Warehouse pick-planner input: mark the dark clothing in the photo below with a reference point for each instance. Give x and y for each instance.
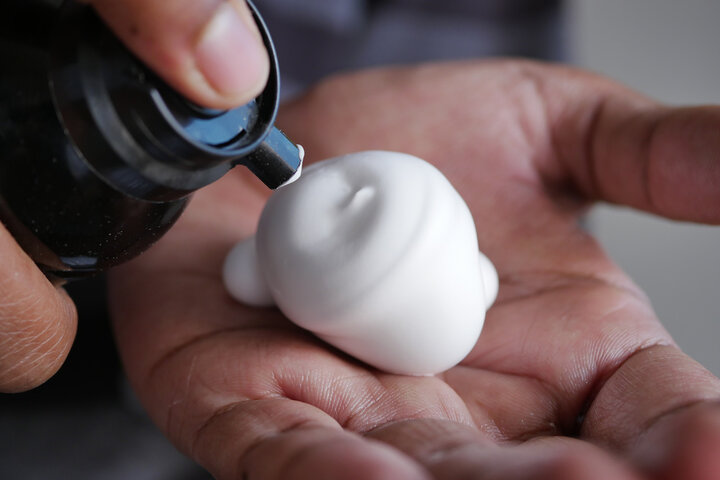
(315, 38)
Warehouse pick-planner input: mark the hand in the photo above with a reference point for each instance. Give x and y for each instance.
(573, 376)
(37, 320)
(209, 50)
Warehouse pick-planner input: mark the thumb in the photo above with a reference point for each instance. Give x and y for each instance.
(210, 51)
(37, 321)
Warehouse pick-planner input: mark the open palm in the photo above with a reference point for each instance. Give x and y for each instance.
(573, 376)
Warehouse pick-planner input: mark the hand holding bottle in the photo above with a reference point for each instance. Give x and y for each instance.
(211, 52)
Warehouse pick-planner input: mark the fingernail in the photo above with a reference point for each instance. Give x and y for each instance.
(231, 56)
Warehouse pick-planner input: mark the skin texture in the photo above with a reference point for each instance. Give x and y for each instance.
(37, 321)
(573, 377)
(211, 51)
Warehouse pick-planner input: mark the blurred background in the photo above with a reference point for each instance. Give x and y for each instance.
(669, 50)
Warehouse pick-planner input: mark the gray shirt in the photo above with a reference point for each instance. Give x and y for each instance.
(317, 37)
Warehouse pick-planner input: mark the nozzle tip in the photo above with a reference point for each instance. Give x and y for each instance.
(296, 175)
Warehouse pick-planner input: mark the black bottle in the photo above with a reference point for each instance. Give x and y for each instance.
(98, 157)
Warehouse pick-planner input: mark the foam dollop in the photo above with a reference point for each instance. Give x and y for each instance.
(376, 253)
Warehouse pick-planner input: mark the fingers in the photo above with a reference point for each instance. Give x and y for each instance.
(624, 148)
(284, 439)
(660, 408)
(451, 451)
(683, 444)
(589, 327)
(521, 123)
(210, 51)
(37, 321)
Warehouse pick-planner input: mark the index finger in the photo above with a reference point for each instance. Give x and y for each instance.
(622, 147)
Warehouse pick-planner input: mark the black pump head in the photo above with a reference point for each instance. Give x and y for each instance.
(141, 136)
(98, 156)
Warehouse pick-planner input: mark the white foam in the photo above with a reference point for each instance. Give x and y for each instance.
(376, 253)
(298, 172)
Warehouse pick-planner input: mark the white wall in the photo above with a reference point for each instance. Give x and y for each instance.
(669, 49)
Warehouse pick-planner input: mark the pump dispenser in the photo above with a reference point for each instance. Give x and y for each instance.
(98, 156)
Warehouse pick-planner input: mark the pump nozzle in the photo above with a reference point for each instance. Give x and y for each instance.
(277, 160)
(148, 140)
